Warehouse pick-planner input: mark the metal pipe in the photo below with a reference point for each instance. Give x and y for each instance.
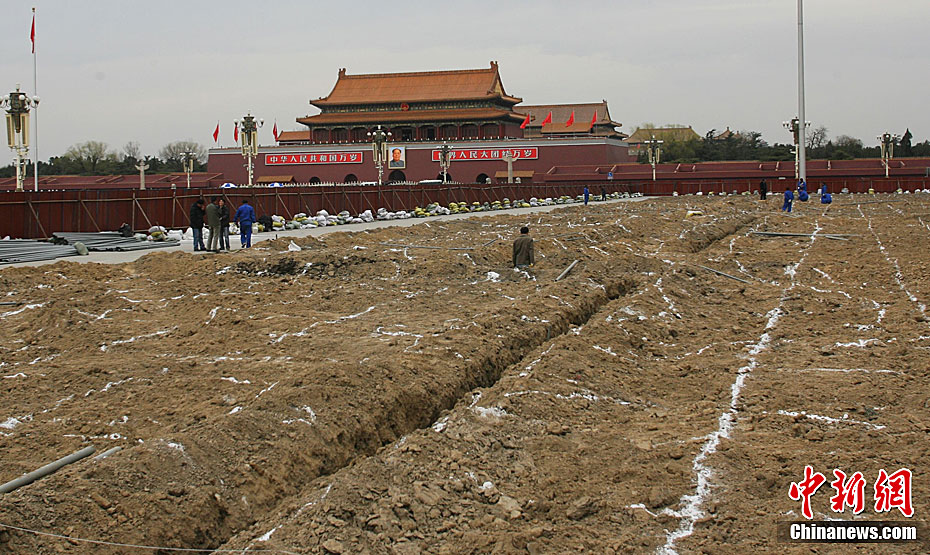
(107, 453)
(722, 274)
(46, 470)
(566, 271)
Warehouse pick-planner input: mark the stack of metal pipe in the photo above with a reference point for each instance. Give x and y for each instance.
(26, 250)
(110, 241)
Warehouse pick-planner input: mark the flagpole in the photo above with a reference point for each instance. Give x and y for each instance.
(802, 122)
(35, 109)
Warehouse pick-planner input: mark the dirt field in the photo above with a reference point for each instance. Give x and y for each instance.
(355, 397)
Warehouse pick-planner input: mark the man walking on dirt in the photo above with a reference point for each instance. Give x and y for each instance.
(197, 225)
(523, 255)
(763, 190)
(213, 223)
(789, 199)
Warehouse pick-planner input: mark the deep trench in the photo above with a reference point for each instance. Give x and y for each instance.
(484, 373)
(211, 520)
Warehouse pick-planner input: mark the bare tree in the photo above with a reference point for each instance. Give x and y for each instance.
(845, 141)
(817, 138)
(90, 155)
(172, 153)
(131, 150)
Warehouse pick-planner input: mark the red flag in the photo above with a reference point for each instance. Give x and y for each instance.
(275, 130)
(236, 134)
(216, 133)
(32, 33)
(594, 119)
(548, 118)
(571, 119)
(525, 122)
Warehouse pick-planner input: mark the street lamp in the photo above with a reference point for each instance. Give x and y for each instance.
(888, 141)
(654, 147)
(142, 166)
(187, 160)
(794, 126)
(379, 141)
(445, 160)
(17, 106)
(248, 138)
(508, 157)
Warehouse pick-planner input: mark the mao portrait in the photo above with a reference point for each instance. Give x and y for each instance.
(398, 158)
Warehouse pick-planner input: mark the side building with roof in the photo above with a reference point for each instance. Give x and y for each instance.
(469, 110)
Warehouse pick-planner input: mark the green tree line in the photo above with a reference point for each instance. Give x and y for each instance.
(97, 158)
(749, 145)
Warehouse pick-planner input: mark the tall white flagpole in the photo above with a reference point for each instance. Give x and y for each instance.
(35, 109)
(802, 123)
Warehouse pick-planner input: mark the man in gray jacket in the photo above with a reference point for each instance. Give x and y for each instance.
(523, 255)
(213, 224)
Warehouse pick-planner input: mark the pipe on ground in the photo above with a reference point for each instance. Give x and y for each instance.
(46, 470)
(567, 270)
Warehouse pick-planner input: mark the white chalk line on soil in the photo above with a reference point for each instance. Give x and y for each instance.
(844, 420)
(898, 276)
(691, 511)
(23, 309)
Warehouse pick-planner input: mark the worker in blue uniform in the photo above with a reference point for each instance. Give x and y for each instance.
(245, 217)
(789, 198)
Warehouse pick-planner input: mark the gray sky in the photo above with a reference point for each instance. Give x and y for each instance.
(154, 72)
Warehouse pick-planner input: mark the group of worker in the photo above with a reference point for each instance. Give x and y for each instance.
(216, 217)
(803, 196)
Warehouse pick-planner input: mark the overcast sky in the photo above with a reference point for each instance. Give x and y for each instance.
(154, 72)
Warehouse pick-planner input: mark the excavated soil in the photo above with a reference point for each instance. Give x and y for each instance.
(361, 396)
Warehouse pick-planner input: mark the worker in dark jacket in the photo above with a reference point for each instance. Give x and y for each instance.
(213, 224)
(523, 255)
(197, 215)
(245, 217)
(224, 224)
(763, 190)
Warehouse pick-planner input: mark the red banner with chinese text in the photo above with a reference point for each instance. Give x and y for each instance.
(490, 153)
(322, 158)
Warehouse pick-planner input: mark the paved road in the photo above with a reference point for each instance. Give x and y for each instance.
(188, 245)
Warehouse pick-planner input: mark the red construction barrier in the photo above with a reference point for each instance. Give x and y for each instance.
(30, 215)
(37, 215)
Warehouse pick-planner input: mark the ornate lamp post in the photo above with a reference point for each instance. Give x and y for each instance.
(508, 157)
(142, 166)
(379, 141)
(248, 138)
(888, 141)
(445, 160)
(794, 126)
(188, 163)
(654, 147)
(17, 106)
